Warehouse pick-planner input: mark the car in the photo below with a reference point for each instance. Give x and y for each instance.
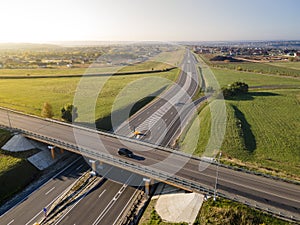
(125, 152)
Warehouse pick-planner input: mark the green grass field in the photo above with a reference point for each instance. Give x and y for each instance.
(28, 95)
(262, 131)
(282, 68)
(263, 126)
(226, 77)
(226, 212)
(145, 66)
(292, 65)
(15, 171)
(220, 212)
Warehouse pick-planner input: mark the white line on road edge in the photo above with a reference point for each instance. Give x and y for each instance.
(11, 222)
(27, 196)
(79, 167)
(49, 191)
(69, 187)
(63, 216)
(102, 193)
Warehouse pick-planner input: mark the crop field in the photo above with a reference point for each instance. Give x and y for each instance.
(292, 65)
(28, 95)
(262, 131)
(171, 58)
(283, 68)
(260, 68)
(145, 66)
(226, 77)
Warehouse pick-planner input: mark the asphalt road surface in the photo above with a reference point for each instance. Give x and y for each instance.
(30, 210)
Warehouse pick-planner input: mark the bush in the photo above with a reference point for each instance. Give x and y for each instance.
(69, 113)
(47, 110)
(235, 89)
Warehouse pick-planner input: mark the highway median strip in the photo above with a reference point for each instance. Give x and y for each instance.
(76, 192)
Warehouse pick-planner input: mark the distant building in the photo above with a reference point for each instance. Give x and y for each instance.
(291, 54)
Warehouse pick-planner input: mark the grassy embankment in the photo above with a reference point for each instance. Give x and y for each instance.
(15, 171)
(220, 212)
(262, 130)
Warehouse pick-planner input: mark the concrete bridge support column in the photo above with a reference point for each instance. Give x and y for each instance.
(93, 164)
(148, 183)
(52, 150)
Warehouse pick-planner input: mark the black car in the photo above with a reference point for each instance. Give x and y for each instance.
(125, 152)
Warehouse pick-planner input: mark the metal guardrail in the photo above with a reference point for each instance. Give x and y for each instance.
(148, 144)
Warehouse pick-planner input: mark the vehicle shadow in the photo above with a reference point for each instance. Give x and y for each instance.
(138, 158)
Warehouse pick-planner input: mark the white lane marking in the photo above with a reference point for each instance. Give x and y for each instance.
(11, 222)
(41, 186)
(78, 167)
(112, 202)
(69, 187)
(49, 191)
(63, 216)
(102, 193)
(117, 219)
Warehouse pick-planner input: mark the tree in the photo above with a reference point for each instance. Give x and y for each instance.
(47, 110)
(69, 113)
(235, 89)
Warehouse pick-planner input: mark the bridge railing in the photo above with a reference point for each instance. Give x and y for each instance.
(150, 172)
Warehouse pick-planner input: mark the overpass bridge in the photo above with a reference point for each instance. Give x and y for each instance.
(162, 164)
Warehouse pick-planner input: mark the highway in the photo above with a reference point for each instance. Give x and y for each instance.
(89, 207)
(104, 204)
(276, 195)
(270, 194)
(30, 209)
(161, 121)
(107, 208)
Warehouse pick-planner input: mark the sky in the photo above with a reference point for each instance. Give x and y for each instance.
(45, 21)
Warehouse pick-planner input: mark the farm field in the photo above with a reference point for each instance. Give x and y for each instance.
(292, 65)
(262, 131)
(283, 69)
(28, 95)
(226, 77)
(146, 66)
